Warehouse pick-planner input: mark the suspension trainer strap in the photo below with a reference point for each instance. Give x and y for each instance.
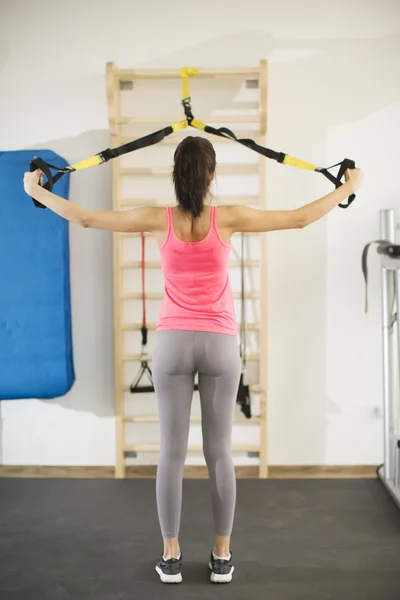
(144, 323)
(337, 181)
(243, 307)
(243, 393)
(145, 369)
(38, 163)
(280, 157)
(190, 120)
(185, 73)
(135, 388)
(102, 157)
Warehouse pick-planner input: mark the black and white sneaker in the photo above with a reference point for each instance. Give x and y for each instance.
(170, 570)
(221, 569)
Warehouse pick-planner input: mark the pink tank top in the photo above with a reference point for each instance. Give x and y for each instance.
(198, 294)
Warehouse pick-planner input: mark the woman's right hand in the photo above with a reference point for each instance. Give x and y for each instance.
(354, 178)
(31, 179)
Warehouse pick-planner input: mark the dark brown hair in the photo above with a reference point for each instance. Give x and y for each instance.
(194, 166)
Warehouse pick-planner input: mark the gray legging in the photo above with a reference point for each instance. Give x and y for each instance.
(178, 355)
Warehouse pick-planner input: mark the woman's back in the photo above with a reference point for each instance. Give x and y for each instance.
(195, 266)
(188, 230)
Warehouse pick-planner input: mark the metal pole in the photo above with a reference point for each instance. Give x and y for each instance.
(394, 416)
(388, 225)
(386, 371)
(387, 232)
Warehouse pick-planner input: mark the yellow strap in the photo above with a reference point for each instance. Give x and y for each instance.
(198, 124)
(187, 72)
(90, 162)
(300, 164)
(178, 126)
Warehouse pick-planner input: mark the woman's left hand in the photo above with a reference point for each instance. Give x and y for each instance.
(32, 179)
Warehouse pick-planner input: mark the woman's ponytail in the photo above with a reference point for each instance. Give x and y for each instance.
(194, 167)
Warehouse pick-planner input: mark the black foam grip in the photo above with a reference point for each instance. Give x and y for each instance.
(141, 389)
(38, 163)
(346, 164)
(144, 331)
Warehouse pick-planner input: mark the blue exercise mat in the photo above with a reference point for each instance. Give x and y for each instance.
(36, 359)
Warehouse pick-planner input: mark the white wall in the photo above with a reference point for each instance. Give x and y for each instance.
(333, 92)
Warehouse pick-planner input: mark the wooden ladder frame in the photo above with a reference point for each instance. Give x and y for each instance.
(113, 78)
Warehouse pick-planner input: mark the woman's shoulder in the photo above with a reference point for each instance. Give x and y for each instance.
(158, 216)
(227, 214)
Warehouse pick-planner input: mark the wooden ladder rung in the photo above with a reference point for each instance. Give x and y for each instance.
(133, 234)
(239, 169)
(152, 327)
(174, 140)
(138, 357)
(157, 265)
(138, 326)
(193, 419)
(167, 120)
(222, 200)
(255, 388)
(194, 448)
(131, 74)
(160, 295)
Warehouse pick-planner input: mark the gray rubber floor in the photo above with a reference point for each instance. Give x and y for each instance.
(293, 539)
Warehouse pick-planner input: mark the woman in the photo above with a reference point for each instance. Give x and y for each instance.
(196, 331)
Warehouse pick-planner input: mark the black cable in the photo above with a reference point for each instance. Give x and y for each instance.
(243, 309)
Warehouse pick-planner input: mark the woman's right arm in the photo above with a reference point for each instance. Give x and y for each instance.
(244, 218)
(141, 219)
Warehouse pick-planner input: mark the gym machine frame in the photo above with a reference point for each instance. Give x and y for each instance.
(390, 282)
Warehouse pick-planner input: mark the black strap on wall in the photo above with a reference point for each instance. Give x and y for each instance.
(384, 247)
(281, 156)
(243, 306)
(251, 144)
(156, 137)
(143, 142)
(39, 163)
(135, 388)
(338, 180)
(243, 393)
(144, 364)
(101, 157)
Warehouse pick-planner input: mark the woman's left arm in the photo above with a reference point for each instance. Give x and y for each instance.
(136, 220)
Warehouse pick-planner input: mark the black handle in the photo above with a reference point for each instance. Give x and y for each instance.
(38, 163)
(144, 331)
(346, 164)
